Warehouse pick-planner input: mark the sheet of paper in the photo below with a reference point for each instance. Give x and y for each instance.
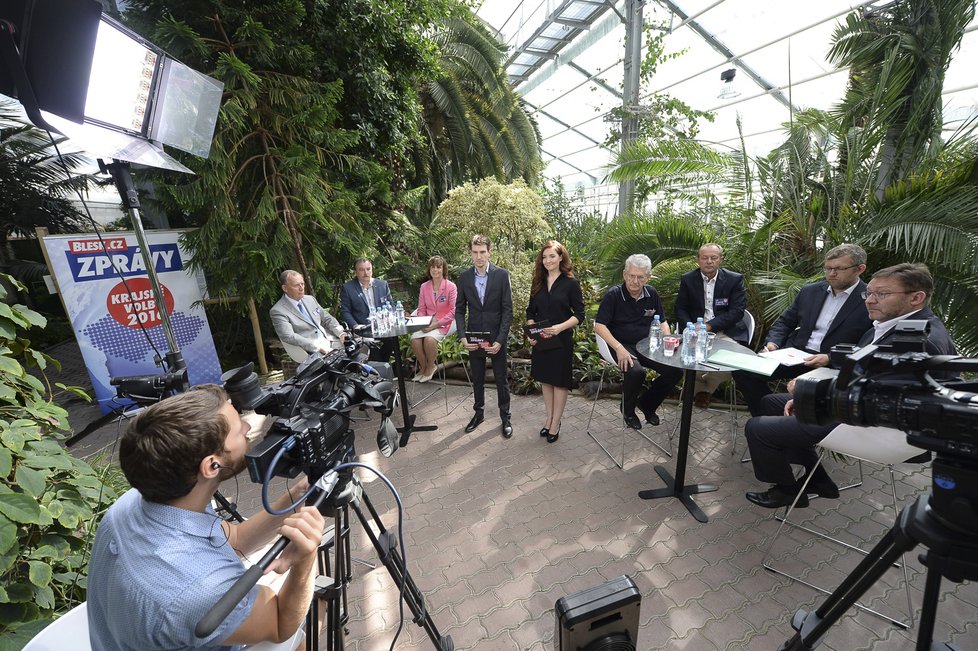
(787, 356)
(744, 362)
(418, 321)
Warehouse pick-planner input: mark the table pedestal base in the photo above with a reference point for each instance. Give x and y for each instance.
(684, 494)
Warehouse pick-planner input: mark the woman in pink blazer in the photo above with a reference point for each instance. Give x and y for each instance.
(437, 299)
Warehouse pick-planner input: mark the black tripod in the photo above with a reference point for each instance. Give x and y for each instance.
(333, 587)
(951, 553)
(335, 499)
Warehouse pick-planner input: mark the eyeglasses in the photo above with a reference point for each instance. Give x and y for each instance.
(882, 295)
(835, 270)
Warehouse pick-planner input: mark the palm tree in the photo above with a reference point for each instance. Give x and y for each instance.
(874, 171)
(474, 124)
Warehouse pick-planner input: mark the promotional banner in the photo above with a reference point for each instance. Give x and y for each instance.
(115, 321)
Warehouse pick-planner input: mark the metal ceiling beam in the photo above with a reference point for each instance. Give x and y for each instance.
(593, 178)
(566, 126)
(728, 54)
(575, 47)
(593, 77)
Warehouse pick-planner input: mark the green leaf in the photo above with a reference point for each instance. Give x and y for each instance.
(44, 596)
(20, 508)
(30, 480)
(6, 461)
(19, 592)
(54, 548)
(8, 329)
(8, 534)
(39, 573)
(7, 365)
(30, 315)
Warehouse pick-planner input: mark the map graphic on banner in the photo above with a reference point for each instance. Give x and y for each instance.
(106, 315)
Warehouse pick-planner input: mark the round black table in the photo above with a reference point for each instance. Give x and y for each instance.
(676, 487)
(393, 333)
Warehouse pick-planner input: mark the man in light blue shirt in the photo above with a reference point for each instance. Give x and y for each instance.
(162, 557)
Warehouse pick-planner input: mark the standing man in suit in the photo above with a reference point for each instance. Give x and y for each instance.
(300, 323)
(824, 314)
(359, 296)
(720, 298)
(485, 294)
(894, 294)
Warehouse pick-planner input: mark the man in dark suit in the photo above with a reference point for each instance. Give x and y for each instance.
(719, 297)
(894, 294)
(824, 314)
(359, 296)
(486, 296)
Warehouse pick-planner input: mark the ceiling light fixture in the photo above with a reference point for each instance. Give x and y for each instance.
(727, 88)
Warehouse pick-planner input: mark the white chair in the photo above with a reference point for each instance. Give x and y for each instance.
(442, 383)
(70, 631)
(607, 363)
(878, 445)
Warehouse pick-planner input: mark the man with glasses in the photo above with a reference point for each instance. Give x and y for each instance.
(719, 297)
(624, 317)
(824, 314)
(894, 294)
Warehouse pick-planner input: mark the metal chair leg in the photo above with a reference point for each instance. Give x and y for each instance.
(785, 521)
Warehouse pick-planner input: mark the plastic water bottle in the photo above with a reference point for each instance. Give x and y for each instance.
(655, 334)
(702, 341)
(372, 321)
(399, 313)
(687, 350)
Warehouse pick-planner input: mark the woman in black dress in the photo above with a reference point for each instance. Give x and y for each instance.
(556, 303)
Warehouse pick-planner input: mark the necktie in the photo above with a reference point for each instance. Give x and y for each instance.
(305, 313)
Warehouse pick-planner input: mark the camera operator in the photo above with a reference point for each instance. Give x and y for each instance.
(162, 557)
(894, 294)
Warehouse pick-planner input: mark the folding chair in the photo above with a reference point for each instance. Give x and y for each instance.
(607, 363)
(878, 445)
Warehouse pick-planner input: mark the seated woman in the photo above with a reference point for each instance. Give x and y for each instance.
(437, 299)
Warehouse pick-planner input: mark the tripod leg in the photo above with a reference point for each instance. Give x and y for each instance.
(387, 549)
(812, 626)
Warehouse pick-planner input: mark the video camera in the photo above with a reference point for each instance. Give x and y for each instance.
(311, 432)
(901, 386)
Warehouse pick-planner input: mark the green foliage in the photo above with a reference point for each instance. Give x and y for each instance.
(873, 171)
(511, 215)
(49, 501)
(474, 125)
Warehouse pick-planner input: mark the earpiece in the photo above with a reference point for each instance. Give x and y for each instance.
(216, 465)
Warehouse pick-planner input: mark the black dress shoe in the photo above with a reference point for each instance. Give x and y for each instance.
(776, 497)
(552, 438)
(544, 431)
(507, 429)
(650, 417)
(826, 489)
(631, 420)
(477, 418)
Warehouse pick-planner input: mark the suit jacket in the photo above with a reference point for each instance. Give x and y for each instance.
(299, 335)
(729, 303)
(938, 339)
(495, 314)
(794, 327)
(442, 306)
(353, 305)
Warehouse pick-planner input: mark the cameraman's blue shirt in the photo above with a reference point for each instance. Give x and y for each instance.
(155, 571)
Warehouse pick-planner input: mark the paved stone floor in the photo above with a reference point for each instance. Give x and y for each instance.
(497, 530)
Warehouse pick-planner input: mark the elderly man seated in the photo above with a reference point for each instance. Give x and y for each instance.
(776, 442)
(624, 318)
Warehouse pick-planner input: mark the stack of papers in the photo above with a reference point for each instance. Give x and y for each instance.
(787, 356)
(744, 362)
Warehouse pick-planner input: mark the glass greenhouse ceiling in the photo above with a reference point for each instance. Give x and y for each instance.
(566, 60)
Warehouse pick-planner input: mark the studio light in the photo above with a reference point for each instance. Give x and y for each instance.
(728, 90)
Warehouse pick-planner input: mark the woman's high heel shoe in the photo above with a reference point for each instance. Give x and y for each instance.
(551, 438)
(544, 431)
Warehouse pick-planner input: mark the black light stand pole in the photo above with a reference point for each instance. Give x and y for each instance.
(121, 174)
